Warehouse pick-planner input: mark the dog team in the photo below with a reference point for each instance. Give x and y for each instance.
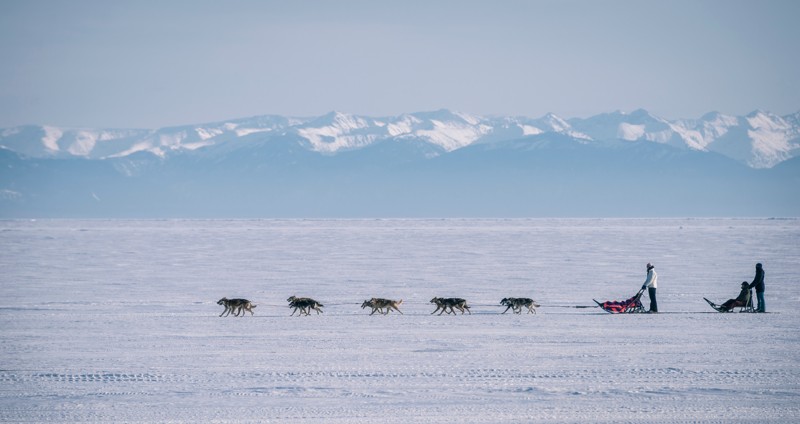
(304, 305)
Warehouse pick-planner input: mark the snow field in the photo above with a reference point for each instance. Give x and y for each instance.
(116, 321)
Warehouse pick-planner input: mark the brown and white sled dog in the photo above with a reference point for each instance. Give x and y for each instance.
(451, 303)
(378, 305)
(516, 304)
(304, 305)
(236, 306)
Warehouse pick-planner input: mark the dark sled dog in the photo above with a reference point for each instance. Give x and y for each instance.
(451, 303)
(378, 305)
(236, 306)
(304, 305)
(516, 304)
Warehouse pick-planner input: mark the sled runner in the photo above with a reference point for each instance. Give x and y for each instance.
(630, 306)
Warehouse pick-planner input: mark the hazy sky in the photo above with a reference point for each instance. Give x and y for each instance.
(149, 64)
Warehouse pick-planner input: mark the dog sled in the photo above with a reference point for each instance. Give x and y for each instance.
(630, 306)
(747, 306)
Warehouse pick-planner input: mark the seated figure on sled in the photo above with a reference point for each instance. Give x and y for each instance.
(744, 300)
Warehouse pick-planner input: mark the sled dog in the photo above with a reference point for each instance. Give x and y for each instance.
(516, 304)
(304, 305)
(236, 306)
(451, 303)
(378, 305)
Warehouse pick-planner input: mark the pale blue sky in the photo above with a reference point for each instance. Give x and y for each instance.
(148, 64)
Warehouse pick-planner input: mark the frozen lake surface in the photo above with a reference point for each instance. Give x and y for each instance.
(117, 321)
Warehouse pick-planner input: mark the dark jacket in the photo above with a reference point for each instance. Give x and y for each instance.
(758, 281)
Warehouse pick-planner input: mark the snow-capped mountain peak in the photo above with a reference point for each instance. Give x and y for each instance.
(555, 123)
(766, 121)
(338, 131)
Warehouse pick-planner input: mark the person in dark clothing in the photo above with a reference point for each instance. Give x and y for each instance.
(758, 284)
(740, 300)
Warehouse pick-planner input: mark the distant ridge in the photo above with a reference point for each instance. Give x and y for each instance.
(426, 164)
(758, 140)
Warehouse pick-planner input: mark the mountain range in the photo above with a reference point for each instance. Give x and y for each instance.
(759, 140)
(439, 163)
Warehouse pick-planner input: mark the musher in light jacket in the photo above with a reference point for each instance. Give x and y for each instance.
(651, 283)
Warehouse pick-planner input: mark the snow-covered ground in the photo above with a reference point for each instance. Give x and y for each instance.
(117, 321)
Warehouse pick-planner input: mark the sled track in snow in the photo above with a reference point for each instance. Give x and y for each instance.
(512, 393)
